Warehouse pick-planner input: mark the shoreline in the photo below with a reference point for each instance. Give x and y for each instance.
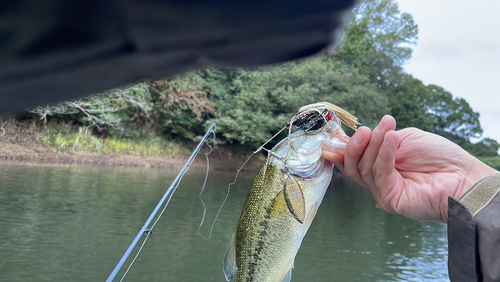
(26, 144)
(221, 158)
(31, 143)
(63, 144)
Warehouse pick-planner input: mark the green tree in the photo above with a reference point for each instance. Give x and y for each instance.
(389, 30)
(487, 147)
(407, 103)
(252, 105)
(363, 75)
(434, 109)
(357, 46)
(377, 40)
(180, 106)
(453, 118)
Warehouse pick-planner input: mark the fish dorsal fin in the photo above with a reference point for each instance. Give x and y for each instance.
(229, 266)
(294, 199)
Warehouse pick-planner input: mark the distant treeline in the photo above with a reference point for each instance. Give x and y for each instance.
(362, 74)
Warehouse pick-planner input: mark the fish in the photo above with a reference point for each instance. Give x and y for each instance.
(285, 196)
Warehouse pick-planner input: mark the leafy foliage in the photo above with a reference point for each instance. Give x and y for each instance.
(175, 108)
(363, 75)
(389, 31)
(377, 40)
(254, 104)
(487, 147)
(407, 103)
(453, 118)
(180, 106)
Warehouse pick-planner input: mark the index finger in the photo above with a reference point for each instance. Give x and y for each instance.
(354, 152)
(385, 175)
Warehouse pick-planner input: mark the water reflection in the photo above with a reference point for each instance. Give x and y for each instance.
(73, 224)
(351, 240)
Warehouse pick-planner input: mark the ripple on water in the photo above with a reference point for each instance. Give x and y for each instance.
(74, 223)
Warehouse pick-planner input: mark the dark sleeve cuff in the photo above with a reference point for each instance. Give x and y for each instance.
(474, 233)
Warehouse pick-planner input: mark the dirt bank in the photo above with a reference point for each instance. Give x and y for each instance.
(20, 143)
(220, 158)
(24, 143)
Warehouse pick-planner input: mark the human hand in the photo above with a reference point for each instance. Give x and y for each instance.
(410, 171)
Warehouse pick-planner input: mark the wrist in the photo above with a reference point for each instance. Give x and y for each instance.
(477, 172)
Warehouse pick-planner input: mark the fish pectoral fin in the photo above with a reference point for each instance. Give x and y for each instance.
(294, 198)
(278, 206)
(229, 266)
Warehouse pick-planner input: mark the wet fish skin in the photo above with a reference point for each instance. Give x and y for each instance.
(281, 205)
(270, 235)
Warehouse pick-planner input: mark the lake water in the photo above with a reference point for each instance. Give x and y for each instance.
(75, 223)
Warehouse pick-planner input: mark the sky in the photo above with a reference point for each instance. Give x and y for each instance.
(458, 48)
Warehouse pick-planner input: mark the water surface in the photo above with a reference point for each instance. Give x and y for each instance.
(74, 224)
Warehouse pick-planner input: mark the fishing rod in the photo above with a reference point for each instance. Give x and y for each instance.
(170, 191)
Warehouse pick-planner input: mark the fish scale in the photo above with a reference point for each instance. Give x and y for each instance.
(264, 248)
(282, 203)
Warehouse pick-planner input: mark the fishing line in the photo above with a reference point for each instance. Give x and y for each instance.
(147, 232)
(167, 196)
(215, 219)
(253, 153)
(201, 199)
(228, 187)
(132, 262)
(262, 146)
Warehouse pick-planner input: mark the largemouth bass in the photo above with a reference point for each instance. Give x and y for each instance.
(285, 196)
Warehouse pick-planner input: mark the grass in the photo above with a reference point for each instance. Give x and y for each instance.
(64, 138)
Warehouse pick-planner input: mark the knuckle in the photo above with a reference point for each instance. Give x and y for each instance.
(364, 170)
(383, 203)
(376, 171)
(348, 173)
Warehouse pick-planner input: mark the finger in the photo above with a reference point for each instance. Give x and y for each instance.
(385, 174)
(340, 167)
(365, 165)
(335, 158)
(332, 157)
(354, 152)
